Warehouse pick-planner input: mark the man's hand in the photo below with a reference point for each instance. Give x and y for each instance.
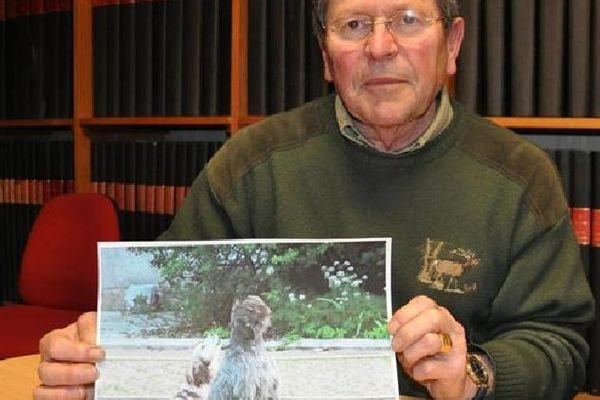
(67, 369)
(417, 338)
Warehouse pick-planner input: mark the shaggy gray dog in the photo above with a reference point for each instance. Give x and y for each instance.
(247, 372)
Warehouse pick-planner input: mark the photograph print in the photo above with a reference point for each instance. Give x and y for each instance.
(246, 319)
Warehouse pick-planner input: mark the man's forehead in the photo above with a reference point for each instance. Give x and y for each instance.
(337, 6)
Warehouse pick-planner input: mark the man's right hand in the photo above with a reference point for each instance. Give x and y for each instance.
(68, 355)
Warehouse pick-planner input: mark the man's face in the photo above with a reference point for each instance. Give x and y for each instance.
(384, 79)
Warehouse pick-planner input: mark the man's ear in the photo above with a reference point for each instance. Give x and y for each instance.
(455, 35)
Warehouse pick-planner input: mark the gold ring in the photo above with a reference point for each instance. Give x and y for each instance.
(446, 343)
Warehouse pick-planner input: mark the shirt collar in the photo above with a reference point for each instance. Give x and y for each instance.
(442, 119)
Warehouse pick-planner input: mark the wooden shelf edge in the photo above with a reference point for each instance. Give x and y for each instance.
(217, 120)
(547, 123)
(251, 119)
(225, 120)
(36, 123)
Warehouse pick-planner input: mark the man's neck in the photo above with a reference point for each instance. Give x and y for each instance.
(390, 139)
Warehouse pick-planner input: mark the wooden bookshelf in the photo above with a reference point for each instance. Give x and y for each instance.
(36, 123)
(548, 123)
(83, 121)
(219, 120)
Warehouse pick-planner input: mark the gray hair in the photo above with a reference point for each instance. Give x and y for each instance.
(448, 8)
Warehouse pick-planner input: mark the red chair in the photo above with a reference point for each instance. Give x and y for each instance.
(58, 278)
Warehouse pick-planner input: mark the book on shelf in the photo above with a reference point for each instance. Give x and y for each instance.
(468, 71)
(100, 58)
(211, 53)
(37, 63)
(578, 34)
(493, 69)
(216, 55)
(595, 52)
(143, 57)
(522, 57)
(174, 57)
(193, 92)
(550, 57)
(126, 56)
(159, 56)
(295, 53)
(258, 41)
(276, 56)
(17, 85)
(113, 69)
(65, 65)
(2, 57)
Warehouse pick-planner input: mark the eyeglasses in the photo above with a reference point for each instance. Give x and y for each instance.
(405, 24)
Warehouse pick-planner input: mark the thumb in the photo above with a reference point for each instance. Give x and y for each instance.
(86, 327)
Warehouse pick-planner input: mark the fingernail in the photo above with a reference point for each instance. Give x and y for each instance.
(76, 392)
(91, 373)
(96, 353)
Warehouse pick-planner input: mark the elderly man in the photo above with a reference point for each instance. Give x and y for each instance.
(487, 281)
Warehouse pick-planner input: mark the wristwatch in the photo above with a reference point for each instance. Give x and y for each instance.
(479, 371)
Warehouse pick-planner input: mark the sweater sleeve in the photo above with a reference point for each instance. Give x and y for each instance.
(539, 317)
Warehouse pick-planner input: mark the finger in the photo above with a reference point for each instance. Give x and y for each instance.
(86, 327)
(47, 341)
(409, 311)
(427, 322)
(62, 347)
(428, 346)
(61, 374)
(436, 368)
(66, 393)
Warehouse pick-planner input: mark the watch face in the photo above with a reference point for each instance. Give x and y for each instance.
(476, 370)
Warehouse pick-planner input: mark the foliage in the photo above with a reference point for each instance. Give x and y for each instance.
(311, 292)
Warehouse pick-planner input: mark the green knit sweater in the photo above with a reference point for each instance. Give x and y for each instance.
(477, 218)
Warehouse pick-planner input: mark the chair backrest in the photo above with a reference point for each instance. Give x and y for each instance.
(59, 265)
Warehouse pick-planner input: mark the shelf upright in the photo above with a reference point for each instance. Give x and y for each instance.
(82, 92)
(239, 64)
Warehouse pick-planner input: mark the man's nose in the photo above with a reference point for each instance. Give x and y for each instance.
(381, 43)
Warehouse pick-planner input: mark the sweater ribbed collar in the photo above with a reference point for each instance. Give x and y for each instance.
(443, 117)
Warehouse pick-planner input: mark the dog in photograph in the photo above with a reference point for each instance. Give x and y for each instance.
(247, 371)
(201, 370)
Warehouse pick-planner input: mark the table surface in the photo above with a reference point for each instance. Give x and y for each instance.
(18, 378)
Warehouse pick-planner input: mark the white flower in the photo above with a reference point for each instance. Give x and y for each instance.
(340, 273)
(292, 297)
(365, 277)
(350, 268)
(331, 269)
(302, 297)
(356, 283)
(346, 263)
(270, 270)
(336, 263)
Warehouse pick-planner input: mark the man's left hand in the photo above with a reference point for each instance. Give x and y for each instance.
(418, 329)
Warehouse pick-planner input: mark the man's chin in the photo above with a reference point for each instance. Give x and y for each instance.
(380, 115)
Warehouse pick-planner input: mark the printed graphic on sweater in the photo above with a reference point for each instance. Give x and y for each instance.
(444, 265)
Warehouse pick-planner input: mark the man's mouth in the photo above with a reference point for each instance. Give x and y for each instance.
(383, 81)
